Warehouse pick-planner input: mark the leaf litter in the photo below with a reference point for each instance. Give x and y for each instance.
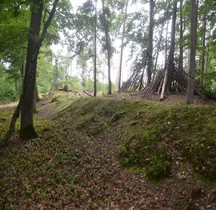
(70, 167)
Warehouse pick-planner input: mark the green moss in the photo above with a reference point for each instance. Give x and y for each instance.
(97, 130)
(117, 116)
(85, 122)
(201, 154)
(195, 127)
(142, 151)
(147, 135)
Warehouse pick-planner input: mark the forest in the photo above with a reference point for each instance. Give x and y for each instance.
(107, 104)
(119, 45)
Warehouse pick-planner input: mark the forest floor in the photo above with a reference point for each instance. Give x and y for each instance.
(76, 162)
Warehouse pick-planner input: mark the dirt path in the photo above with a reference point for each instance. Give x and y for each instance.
(8, 106)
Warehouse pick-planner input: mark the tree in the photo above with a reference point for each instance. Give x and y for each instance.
(95, 51)
(106, 27)
(181, 37)
(122, 46)
(147, 58)
(26, 127)
(26, 102)
(150, 42)
(169, 66)
(192, 64)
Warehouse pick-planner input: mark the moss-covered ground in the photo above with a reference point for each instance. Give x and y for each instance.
(109, 153)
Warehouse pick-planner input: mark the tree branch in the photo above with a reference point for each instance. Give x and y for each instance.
(46, 25)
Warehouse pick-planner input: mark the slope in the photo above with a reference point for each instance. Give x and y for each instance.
(112, 153)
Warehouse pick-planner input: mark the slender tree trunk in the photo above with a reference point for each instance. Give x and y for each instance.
(27, 128)
(169, 66)
(147, 58)
(193, 29)
(11, 129)
(95, 52)
(166, 42)
(122, 47)
(141, 79)
(108, 46)
(150, 42)
(208, 44)
(202, 66)
(173, 32)
(158, 50)
(109, 73)
(207, 55)
(181, 38)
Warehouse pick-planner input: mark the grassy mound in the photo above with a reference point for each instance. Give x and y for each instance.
(150, 131)
(71, 164)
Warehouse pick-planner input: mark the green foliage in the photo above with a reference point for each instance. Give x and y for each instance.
(10, 88)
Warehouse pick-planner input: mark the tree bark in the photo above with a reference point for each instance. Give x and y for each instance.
(35, 41)
(11, 129)
(27, 130)
(95, 52)
(192, 64)
(150, 42)
(122, 48)
(169, 66)
(202, 66)
(108, 46)
(181, 38)
(158, 51)
(166, 42)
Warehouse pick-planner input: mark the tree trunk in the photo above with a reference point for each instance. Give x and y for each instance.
(11, 129)
(158, 51)
(202, 66)
(181, 38)
(122, 48)
(27, 130)
(95, 52)
(193, 29)
(150, 42)
(35, 41)
(166, 42)
(169, 66)
(173, 32)
(108, 46)
(207, 54)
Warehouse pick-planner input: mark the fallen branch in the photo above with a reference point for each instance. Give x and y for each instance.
(87, 93)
